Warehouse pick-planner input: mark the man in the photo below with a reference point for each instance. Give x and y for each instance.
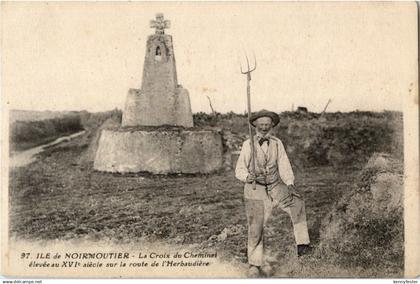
(274, 187)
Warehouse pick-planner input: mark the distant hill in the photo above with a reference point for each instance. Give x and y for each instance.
(29, 115)
(32, 128)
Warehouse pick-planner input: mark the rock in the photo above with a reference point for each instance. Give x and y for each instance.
(379, 161)
(387, 191)
(223, 235)
(197, 208)
(235, 230)
(213, 238)
(185, 210)
(230, 231)
(179, 239)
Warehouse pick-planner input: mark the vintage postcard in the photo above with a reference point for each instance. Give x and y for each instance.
(210, 139)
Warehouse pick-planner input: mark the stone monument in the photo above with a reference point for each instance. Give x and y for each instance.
(156, 133)
(159, 89)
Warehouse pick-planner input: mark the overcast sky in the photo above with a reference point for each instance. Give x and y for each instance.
(74, 56)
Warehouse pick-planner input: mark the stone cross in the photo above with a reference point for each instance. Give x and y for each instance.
(160, 24)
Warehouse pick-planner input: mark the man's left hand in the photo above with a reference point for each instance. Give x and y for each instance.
(260, 178)
(293, 190)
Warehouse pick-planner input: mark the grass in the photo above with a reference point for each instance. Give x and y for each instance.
(60, 196)
(49, 202)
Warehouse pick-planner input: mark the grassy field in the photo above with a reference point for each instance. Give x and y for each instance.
(60, 196)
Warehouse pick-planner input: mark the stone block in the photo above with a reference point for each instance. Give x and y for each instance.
(159, 151)
(182, 108)
(171, 108)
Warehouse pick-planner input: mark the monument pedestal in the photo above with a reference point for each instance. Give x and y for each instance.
(152, 137)
(159, 151)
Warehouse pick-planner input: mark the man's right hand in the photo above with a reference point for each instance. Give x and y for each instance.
(250, 178)
(293, 191)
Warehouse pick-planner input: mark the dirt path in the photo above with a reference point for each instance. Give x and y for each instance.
(60, 197)
(23, 158)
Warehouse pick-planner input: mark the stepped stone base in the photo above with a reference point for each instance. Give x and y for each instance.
(164, 108)
(159, 152)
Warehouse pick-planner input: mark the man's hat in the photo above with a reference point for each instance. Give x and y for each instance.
(265, 113)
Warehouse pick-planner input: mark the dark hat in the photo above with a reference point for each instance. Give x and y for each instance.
(264, 113)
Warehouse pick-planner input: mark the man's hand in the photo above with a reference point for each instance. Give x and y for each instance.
(250, 178)
(293, 190)
(261, 179)
(254, 177)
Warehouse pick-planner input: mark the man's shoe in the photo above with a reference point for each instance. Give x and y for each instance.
(303, 249)
(253, 271)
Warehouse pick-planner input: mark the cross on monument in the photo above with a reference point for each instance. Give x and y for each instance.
(160, 24)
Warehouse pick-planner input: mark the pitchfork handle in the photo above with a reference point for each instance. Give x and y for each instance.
(251, 136)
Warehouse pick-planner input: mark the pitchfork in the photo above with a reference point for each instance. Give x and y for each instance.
(248, 96)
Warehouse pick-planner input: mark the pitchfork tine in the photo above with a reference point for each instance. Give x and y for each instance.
(240, 63)
(249, 70)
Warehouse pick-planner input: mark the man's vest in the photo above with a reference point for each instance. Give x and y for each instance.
(266, 163)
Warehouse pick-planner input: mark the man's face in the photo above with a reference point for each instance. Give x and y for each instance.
(263, 125)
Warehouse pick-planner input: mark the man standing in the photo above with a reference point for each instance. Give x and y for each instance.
(274, 187)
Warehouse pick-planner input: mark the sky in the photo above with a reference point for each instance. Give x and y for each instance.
(85, 56)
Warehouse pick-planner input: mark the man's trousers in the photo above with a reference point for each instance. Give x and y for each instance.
(259, 204)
